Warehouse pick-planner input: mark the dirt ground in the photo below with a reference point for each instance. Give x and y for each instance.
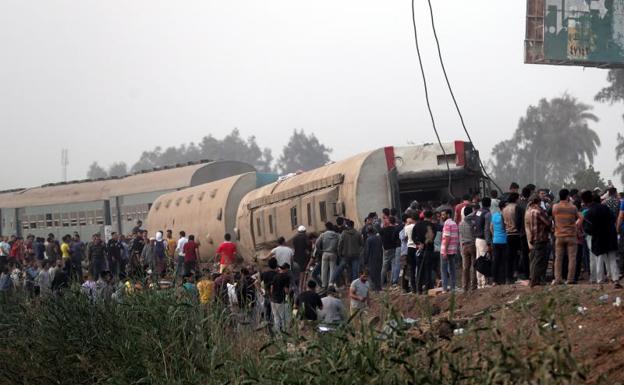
(594, 327)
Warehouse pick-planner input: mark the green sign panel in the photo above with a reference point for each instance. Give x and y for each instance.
(575, 32)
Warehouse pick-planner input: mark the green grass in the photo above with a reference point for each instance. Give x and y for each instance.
(154, 338)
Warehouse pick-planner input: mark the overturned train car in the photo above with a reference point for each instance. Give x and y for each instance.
(351, 188)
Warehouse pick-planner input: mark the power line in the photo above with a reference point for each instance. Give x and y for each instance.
(424, 78)
(448, 83)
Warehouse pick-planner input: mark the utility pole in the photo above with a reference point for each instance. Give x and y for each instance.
(64, 162)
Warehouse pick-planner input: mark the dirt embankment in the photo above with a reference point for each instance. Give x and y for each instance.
(585, 315)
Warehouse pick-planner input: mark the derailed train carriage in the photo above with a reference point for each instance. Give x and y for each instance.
(351, 188)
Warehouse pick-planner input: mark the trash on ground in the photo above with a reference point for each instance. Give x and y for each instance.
(549, 325)
(513, 300)
(581, 310)
(617, 302)
(603, 298)
(458, 332)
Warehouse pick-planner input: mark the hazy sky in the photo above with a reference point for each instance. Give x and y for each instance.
(107, 78)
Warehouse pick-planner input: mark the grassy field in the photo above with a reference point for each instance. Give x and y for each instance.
(154, 338)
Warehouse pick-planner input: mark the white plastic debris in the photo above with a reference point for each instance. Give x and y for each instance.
(513, 300)
(549, 325)
(458, 332)
(618, 302)
(603, 298)
(580, 326)
(581, 310)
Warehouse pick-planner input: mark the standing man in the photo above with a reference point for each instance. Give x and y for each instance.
(390, 242)
(226, 253)
(359, 293)
(303, 248)
(171, 250)
(469, 251)
(449, 249)
(97, 256)
(600, 224)
(537, 227)
(282, 253)
(373, 257)
(191, 255)
(280, 302)
(77, 256)
(483, 235)
(180, 251)
(566, 218)
(424, 234)
(513, 218)
(328, 244)
(114, 249)
(349, 251)
(412, 250)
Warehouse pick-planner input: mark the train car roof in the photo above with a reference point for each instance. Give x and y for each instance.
(159, 179)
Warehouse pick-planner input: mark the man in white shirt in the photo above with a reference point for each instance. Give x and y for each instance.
(411, 251)
(180, 252)
(282, 253)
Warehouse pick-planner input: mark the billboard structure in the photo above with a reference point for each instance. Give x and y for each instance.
(587, 33)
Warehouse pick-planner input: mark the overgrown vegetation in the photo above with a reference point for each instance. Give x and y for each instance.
(153, 338)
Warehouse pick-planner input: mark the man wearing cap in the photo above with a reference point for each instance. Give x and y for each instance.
(280, 303)
(303, 248)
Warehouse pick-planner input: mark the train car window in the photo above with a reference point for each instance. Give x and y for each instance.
(25, 225)
(83, 218)
(73, 219)
(309, 214)
(48, 218)
(33, 225)
(41, 221)
(258, 232)
(271, 224)
(323, 211)
(293, 217)
(65, 219)
(57, 220)
(99, 217)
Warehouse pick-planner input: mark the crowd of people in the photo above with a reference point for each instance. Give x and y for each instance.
(457, 245)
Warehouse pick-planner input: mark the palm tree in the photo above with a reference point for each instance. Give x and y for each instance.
(552, 142)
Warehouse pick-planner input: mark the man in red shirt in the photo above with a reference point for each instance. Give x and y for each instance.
(459, 208)
(227, 253)
(191, 255)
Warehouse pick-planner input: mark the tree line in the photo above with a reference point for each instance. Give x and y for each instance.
(554, 145)
(302, 152)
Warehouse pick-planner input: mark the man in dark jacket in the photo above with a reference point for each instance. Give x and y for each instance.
(114, 249)
(302, 248)
(349, 251)
(423, 234)
(373, 257)
(390, 241)
(599, 223)
(483, 235)
(97, 256)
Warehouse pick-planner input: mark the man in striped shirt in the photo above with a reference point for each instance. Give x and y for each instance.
(449, 250)
(537, 227)
(566, 217)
